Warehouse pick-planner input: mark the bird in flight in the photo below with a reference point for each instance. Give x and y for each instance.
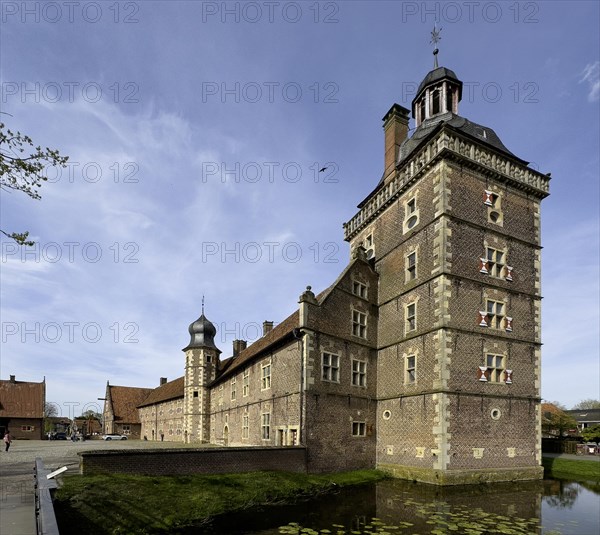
(323, 169)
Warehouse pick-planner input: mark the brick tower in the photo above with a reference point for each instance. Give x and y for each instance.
(453, 230)
(201, 361)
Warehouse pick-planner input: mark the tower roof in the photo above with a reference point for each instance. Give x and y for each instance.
(435, 76)
(202, 333)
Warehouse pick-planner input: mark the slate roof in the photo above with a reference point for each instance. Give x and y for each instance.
(22, 399)
(125, 400)
(168, 391)
(585, 415)
(433, 76)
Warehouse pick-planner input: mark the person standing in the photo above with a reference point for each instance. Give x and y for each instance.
(7, 440)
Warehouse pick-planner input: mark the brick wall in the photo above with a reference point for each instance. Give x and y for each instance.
(193, 461)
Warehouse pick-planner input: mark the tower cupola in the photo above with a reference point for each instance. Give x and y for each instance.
(202, 334)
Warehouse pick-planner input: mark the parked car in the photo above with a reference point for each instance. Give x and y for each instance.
(591, 447)
(114, 436)
(60, 436)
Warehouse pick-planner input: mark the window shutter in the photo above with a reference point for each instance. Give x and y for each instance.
(508, 275)
(508, 324)
(483, 319)
(508, 377)
(483, 266)
(487, 198)
(482, 374)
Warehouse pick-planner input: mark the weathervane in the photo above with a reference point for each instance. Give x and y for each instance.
(435, 39)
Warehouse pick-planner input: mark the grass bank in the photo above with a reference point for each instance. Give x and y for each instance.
(570, 469)
(117, 504)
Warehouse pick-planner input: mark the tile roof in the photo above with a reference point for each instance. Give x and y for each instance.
(279, 333)
(171, 390)
(125, 400)
(22, 399)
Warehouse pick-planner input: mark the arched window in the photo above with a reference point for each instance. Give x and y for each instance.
(436, 101)
(449, 100)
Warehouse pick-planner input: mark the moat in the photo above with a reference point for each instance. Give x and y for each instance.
(549, 507)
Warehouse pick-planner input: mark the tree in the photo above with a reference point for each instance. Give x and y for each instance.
(587, 404)
(21, 169)
(50, 411)
(591, 434)
(555, 421)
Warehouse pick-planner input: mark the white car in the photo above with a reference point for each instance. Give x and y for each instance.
(114, 436)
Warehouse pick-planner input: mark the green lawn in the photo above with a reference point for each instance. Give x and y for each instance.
(571, 469)
(119, 504)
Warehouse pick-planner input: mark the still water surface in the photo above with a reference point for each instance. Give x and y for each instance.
(395, 507)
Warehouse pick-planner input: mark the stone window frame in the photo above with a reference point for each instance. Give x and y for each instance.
(330, 370)
(359, 429)
(411, 210)
(265, 426)
(359, 375)
(246, 383)
(233, 384)
(359, 289)
(492, 265)
(495, 373)
(410, 317)
(494, 317)
(265, 377)
(410, 270)
(359, 327)
(493, 202)
(245, 426)
(410, 365)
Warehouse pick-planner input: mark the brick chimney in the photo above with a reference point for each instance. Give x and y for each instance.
(12, 378)
(239, 346)
(267, 327)
(395, 127)
(163, 381)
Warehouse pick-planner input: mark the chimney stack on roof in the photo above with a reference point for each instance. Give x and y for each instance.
(239, 346)
(12, 378)
(163, 381)
(267, 327)
(395, 127)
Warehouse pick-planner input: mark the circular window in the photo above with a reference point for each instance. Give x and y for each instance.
(412, 221)
(387, 415)
(495, 414)
(494, 216)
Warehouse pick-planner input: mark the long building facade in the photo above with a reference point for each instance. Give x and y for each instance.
(423, 357)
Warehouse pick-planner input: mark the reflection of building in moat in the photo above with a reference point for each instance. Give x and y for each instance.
(518, 504)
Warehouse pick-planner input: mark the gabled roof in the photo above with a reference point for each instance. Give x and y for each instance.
(125, 400)
(22, 399)
(168, 391)
(585, 415)
(277, 335)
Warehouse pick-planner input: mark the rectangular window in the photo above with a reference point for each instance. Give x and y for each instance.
(359, 429)
(495, 368)
(195, 393)
(331, 368)
(266, 426)
(359, 324)
(411, 317)
(265, 377)
(245, 426)
(359, 373)
(495, 262)
(246, 383)
(369, 241)
(411, 266)
(233, 393)
(359, 289)
(495, 314)
(410, 375)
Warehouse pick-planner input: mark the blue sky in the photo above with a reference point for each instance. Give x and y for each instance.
(194, 131)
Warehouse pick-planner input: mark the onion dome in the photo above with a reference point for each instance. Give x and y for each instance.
(202, 333)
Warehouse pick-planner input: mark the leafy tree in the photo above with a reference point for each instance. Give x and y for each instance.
(21, 169)
(587, 404)
(591, 434)
(555, 421)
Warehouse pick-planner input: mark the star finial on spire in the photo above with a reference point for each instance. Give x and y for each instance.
(435, 39)
(203, 304)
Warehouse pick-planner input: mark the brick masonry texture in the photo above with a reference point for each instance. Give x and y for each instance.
(192, 461)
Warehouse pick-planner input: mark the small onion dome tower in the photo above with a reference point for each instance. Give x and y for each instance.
(201, 367)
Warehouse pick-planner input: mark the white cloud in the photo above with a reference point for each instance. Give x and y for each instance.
(591, 75)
